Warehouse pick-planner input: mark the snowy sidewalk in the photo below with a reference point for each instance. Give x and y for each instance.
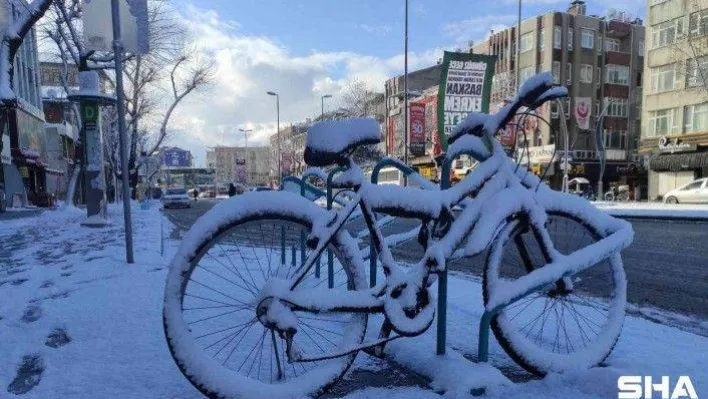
(77, 322)
(654, 210)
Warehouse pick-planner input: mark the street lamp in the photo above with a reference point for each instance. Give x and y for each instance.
(277, 110)
(323, 98)
(245, 134)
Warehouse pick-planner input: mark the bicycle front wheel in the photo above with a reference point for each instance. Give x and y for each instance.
(572, 323)
(214, 286)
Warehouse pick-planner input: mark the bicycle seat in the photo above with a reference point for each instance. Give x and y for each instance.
(329, 142)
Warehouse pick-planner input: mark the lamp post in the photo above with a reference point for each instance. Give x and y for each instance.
(405, 95)
(323, 98)
(245, 136)
(277, 110)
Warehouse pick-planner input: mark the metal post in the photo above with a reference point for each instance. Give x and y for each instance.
(118, 58)
(282, 245)
(405, 95)
(277, 110)
(564, 161)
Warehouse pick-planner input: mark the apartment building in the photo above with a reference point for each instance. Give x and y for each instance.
(600, 60)
(292, 139)
(231, 164)
(674, 139)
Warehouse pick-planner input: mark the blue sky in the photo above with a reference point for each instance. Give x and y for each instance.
(306, 48)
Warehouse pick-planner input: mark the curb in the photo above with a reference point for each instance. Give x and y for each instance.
(695, 219)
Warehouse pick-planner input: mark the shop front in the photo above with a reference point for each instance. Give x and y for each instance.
(676, 162)
(29, 154)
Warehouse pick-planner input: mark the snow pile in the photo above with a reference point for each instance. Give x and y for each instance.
(653, 209)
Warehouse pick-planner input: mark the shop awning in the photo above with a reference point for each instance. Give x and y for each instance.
(676, 162)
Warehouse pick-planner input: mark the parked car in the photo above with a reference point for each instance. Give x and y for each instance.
(261, 188)
(176, 198)
(695, 192)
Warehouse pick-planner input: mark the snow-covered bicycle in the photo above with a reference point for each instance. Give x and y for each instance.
(251, 311)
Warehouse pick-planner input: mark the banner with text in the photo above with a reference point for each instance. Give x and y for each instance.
(240, 171)
(465, 85)
(416, 138)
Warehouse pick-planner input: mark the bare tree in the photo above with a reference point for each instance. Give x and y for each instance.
(12, 39)
(171, 66)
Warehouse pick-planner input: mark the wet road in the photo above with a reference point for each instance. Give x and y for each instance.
(666, 266)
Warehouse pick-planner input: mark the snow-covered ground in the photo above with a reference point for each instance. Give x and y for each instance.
(654, 209)
(85, 324)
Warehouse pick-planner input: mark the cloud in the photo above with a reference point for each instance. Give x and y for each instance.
(250, 65)
(477, 28)
(380, 30)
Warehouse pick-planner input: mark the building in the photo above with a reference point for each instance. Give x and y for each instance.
(418, 82)
(188, 177)
(24, 157)
(674, 139)
(249, 165)
(292, 149)
(600, 60)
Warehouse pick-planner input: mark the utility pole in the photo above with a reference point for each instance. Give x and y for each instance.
(277, 110)
(405, 93)
(118, 58)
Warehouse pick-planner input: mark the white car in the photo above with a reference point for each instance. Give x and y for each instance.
(176, 198)
(695, 192)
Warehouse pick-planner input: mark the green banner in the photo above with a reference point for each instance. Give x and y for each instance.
(465, 85)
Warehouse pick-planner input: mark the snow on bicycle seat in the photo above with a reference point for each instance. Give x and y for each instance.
(328, 142)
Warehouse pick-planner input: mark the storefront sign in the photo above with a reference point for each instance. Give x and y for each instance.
(465, 85)
(98, 29)
(666, 145)
(534, 155)
(416, 138)
(31, 132)
(5, 156)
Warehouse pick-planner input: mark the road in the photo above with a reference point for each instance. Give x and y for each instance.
(666, 265)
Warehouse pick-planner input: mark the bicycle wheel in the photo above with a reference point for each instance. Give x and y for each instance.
(561, 326)
(623, 197)
(609, 196)
(213, 289)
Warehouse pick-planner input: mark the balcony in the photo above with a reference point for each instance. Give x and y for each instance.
(617, 58)
(618, 29)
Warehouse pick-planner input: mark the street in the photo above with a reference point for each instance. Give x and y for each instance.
(665, 271)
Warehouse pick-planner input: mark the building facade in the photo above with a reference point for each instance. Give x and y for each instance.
(674, 140)
(292, 140)
(246, 165)
(420, 81)
(25, 173)
(601, 61)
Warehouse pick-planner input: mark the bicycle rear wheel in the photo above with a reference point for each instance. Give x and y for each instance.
(213, 290)
(561, 326)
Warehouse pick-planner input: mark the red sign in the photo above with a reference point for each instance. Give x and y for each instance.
(416, 138)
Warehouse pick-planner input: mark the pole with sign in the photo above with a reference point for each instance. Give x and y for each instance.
(90, 99)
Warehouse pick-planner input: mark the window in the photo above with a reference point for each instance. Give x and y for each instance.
(662, 122)
(617, 107)
(697, 71)
(570, 39)
(617, 74)
(640, 48)
(540, 39)
(599, 76)
(554, 109)
(566, 109)
(663, 78)
(587, 38)
(698, 23)
(612, 44)
(556, 72)
(615, 139)
(569, 74)
(666, 32)
(586, 73)
(695, 118)
(526, 42)
(557, 37)
(693, 186)
(525, 74)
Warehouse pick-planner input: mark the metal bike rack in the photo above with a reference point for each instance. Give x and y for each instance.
(407, 170)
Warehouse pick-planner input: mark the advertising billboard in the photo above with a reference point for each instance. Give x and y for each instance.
(240, 171)
(416, 138)
(465, 85)
(176, 158)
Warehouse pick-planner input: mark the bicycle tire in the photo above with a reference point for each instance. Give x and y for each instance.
(227, 222)
(609, 196)
(530, 353)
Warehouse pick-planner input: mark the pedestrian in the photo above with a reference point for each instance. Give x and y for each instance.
(232, 190)
(196, 194)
